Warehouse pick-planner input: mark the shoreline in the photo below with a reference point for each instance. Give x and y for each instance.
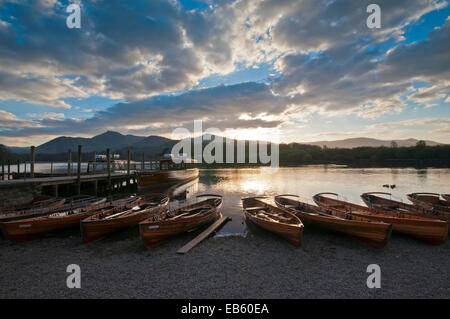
(259, 266)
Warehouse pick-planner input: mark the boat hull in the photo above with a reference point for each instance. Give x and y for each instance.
(93, 230)
(292, 234)
(164, 178)
(32, 228)
(153, 234)
(429, 230)
(61, 205)
(374, 234)
(373, 201)
(429, 201)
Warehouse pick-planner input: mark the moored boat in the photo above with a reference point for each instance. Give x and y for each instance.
(431, 231)
(31, 228)
(375, 233)
(373, 200)
(157, 229)
(274, 219)
(429, 200)
(165, 175)
(68, 204)
(102, 223)
(446, 197)
(42, 201)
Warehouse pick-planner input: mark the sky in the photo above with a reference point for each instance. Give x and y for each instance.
(276, 70)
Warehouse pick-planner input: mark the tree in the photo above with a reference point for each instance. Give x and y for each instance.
(421, 144)
(394, 144)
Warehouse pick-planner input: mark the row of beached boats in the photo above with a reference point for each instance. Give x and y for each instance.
(98, 217)
(426, 219)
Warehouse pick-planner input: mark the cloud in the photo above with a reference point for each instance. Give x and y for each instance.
(219, 107)
(152, 54)
(49, 115)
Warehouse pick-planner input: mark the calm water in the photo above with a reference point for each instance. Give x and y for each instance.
(307, 181)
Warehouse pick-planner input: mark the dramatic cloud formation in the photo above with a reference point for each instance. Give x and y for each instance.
(153, 55)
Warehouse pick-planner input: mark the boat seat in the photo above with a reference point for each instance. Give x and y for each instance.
(255, 208)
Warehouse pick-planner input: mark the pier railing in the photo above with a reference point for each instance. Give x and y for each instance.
(27, 169)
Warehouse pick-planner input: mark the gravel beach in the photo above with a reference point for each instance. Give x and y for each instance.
(258, 266)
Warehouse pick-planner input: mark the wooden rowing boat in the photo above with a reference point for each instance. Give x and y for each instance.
(276, 220)
(430, 201)
(375, 233)
(31, 228)
(372, 200)
(446, 197)
(42, 201)
(156, 229)
(70, 203)
(162, 179)
(431, 231)
(101, 224)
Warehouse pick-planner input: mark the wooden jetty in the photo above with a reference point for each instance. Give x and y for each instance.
(26, 185)
(186, 248)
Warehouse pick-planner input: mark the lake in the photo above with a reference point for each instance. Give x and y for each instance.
(307, 181)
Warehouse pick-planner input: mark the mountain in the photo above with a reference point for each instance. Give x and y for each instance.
(120, 143)
(62, 144)
(369, 142)
(17, 149)
(6, 155)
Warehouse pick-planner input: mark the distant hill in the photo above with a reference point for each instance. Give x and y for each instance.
(6, 155)
(369, 142)
(18, 149)
(120, 143)
(116, 142)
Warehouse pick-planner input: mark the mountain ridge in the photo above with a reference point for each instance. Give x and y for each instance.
(117, 142)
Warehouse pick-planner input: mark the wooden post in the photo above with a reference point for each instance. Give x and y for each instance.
(108, 167)
(128, 167)
(94, 164)
(79, 170)
(3, 171)
(18, 168)
(142, 161)
(9, 169)
(56, 190)
(25, 170)
(95, 187)
(51, 169)
(69, 161)
(33, 149)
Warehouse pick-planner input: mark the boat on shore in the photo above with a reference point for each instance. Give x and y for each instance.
(31, 228)
(429, 200)
(446, 197)
(274, 219)
(67, 204)
(431, 231)
(158, 228)
(42, 201)
(107, 221)
(375, 233)
(373, 200)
